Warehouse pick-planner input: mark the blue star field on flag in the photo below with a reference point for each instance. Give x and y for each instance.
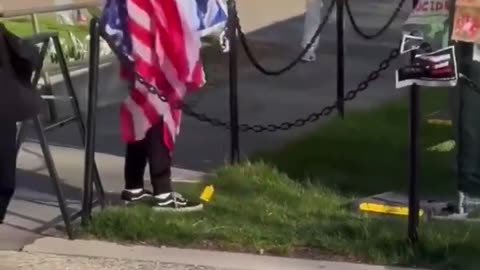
(211, 14)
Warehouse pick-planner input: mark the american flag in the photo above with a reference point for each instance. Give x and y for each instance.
(159, 41)
(212, 15)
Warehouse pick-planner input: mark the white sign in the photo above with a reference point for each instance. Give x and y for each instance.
(410, 43)
(435, 69)
(430, 17)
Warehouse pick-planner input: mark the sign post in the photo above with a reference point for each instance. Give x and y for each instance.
(414, 134)
(233, 74)
(340, 59)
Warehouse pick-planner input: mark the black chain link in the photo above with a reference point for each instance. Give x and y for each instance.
(382, 30)
(313, 117)
(250, 55)
(352, 94)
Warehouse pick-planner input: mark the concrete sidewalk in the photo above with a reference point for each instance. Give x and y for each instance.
(34, 210)
(56, 254)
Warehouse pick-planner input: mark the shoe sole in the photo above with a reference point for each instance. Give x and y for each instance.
(178, 210)
(138, 200)
(308, 59)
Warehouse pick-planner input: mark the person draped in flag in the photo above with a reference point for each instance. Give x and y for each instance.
(158, 44)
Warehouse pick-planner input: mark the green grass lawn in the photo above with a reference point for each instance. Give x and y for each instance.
(294, 201)
(47, 23)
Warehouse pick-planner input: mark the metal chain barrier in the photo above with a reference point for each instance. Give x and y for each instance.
(257, 128)
(382, 30)
(352, 94)
(292, 64)
(287, 125)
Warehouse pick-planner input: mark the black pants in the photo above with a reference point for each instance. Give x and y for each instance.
(8, 164)
(465, 104)
(151, 150)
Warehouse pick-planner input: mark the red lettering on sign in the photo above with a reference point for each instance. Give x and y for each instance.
(426, 6)
(439, 6)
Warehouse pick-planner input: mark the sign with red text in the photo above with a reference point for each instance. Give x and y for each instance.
(466, 25)
(430, 20)
(433, 69)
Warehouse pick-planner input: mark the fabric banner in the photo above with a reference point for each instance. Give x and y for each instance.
(212, 16)
(206, 16)
(467, 21)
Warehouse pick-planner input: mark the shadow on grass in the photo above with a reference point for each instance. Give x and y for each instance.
(293, 205)
(368, 152)
(258, 209)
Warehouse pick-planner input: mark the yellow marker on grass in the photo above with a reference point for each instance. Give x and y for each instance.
(207, 193)
(386, 209)
(440, 122)
(446, 146)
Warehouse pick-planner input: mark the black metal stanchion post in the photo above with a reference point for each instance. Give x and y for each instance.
(340, 59)
(52, 170)
(233, 73)
(91, 121)
(413, 201)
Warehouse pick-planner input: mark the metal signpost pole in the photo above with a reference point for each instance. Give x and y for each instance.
(340, 59)
(233, 73)
(414, 119)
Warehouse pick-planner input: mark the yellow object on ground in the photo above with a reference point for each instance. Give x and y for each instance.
(446, 146)
(440, 122)
(386, 209)
(207, 193)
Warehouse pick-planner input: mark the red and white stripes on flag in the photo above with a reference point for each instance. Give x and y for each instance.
(166, 54)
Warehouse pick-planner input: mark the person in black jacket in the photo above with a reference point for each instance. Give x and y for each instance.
(8, 159)
(18, 102)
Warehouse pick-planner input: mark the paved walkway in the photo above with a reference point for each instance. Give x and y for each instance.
(58, 254)
(34, 209)
(10, 260)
